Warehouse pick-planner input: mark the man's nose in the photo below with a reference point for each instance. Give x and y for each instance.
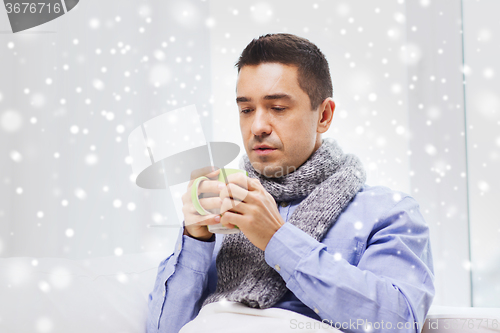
(261, 125)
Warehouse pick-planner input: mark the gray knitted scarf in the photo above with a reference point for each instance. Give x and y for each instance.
(329, 179)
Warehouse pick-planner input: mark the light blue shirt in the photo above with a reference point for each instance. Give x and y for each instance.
(374, 265)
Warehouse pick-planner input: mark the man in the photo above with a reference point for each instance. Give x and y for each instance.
(315, 240)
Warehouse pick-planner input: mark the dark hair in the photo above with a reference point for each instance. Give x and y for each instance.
(313, 71)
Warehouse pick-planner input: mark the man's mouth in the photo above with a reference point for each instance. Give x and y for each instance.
(264, 150)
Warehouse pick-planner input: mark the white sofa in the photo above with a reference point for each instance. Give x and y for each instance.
(101, 295)
(109, 295)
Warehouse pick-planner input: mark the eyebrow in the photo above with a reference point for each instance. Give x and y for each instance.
(267, 97)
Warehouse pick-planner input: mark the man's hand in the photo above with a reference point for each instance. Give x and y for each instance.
(246, 204)
(196, 224)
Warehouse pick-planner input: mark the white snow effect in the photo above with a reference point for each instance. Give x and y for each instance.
(343, 9)
(186, 14)
(358, 225)
(94, 23)
(466, 69)
(118, 251)
(394, 33)
(117, 203)
(80, 193)
(110, 115)
(434, 112)
(40, 214)
(484, 35)
(16, 156)
(159, 75)
(400, 18)
(262, 12)
(44, 286)
(467, 265)
(144, 11)
(98, 84)
(157, 217)
(131, 206)
(10, 45)
(209, 22)
(91, 159)
(430, 149)
(396, 88)
(18, 273)
(410, 54)
(488, 73)
(159, 55)
(400, 130)
(11, 121)
(487, 103)
(381, 141)
(74, 129)
(483, 186)
(69, 232)
(60, 277)
(122, 277)
(44, 325)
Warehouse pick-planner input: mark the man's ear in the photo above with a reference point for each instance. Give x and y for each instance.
(326, 110)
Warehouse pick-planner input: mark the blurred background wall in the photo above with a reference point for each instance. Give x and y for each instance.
(415, 84)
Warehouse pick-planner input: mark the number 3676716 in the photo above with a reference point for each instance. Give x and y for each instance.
(33, 8)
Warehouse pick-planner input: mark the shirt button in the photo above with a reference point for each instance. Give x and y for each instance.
(316, 310)
(284, 204)
(278, 268)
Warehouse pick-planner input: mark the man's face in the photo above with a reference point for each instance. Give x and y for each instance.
(275, 112)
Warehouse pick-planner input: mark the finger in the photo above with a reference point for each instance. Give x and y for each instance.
(204, 220)
(229, 220)
(233, 191)
(209, 186)
(239, 179)
(203, 172)
(211, 203)
(233, 206)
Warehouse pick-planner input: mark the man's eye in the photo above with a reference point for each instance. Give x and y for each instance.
(278, 108)
(246, 110)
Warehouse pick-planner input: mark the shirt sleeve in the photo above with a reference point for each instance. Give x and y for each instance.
(391, 288)
(180, 284)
